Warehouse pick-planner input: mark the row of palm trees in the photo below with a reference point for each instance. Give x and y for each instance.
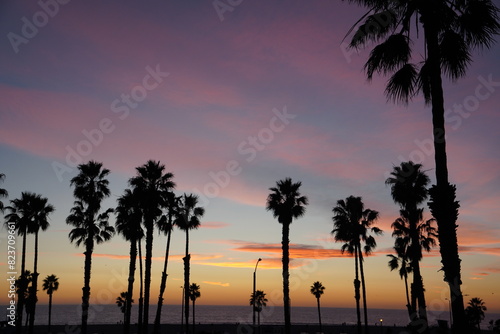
(354, 228)
(150, 202)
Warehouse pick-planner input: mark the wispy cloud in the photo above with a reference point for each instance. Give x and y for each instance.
(214, 225)
(217, 283)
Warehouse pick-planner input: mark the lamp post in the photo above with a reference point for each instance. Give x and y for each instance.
(253, 294)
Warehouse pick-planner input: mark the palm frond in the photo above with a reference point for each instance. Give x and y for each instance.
(402, 85)
(394, 52)
(455, 55)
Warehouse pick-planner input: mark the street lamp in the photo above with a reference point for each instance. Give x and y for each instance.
(253, 294)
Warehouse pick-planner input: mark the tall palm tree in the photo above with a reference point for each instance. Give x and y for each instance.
(187, 218)
(409, 189)
(352, 222)
(475, 311)
(128, 224)
(50, 284)
(165, 225)
(90, 225)
(452, 30)
(20, 213)
(194, 293)
(41, 210)
(317, 289)
(286, 203)
(3, 192)
(152, 185)
(260, 302)
(122, 302)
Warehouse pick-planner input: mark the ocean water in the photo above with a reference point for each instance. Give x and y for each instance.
(211, 314)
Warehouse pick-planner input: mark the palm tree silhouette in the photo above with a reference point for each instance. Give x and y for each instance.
(3, 192)
(409, 189)
(317, 289)
(122, 301)
(286, 203)
(20, 213)
(351, 223)
(40, 212)
(128, 224)
(187, 218)
(50, 284)
(400, 261)
(90, 226)
(426, 239)
(26, 291)
(475, 312)
(194, 293)
(152, 185)
(451, 31)
(165, 225)
(260, 302)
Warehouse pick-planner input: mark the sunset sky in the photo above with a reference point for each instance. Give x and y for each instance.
(232, 99)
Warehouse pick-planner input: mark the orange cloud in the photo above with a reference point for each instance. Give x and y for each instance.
(216, 283)
(266, 263)
(177, 257)
(214, 225)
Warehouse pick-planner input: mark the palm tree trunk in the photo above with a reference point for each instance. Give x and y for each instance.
(147, 274)
(34, 286)
(130, 288)
(186, 283)
(86, 283)
(286, 275)
(194, 321)
(22, 290)
(319, 316)
(363, 287)
(419, 292)
(50, 310)
(163, 286)
(356, 288)
(408, 303)
(141, 292)
(444, 206)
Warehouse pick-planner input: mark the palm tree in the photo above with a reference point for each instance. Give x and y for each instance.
(90, 226)
(452, 30)
(166, 226)
(187, 218)
(400, 261)
(21, 214)
(122, 301)
(475, 312)
(41, 210)
(286, 203)
(426, 239)
(128, 224)
(351, 222)
(3, 192)
(260, 302)
(26, 289)
(50, 284)
(317, 289)
(152, 185)
(409, 189)
(194, 293)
